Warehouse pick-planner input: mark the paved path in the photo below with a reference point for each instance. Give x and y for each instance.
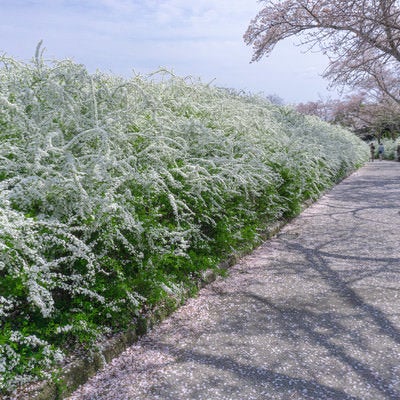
(313, 313)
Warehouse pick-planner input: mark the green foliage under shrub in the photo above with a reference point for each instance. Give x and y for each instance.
(115, 193)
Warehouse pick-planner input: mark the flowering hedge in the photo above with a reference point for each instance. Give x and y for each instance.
(115, 192)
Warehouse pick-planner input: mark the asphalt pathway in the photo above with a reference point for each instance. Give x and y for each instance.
(313, 313)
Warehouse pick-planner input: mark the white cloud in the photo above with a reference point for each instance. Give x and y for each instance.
(201, 38)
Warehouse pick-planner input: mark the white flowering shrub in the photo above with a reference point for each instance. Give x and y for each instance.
(115, 193)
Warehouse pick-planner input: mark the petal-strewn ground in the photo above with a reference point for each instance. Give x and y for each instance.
(313, 313)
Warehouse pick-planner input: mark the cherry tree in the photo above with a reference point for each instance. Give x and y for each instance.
(320, 108)
(366, 118)
(360, 37)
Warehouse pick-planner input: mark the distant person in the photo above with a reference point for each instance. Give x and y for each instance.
(372, 150)
(381, 150)
(398, 152)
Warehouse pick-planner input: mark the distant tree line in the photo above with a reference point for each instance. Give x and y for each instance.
(367, 119)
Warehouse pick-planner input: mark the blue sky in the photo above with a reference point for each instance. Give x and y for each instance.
(201, 38)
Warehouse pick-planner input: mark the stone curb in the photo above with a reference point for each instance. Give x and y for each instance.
(79, 371)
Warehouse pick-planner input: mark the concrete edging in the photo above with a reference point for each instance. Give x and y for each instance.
(78, 370)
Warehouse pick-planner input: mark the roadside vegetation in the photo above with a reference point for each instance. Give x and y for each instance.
(117, 193)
